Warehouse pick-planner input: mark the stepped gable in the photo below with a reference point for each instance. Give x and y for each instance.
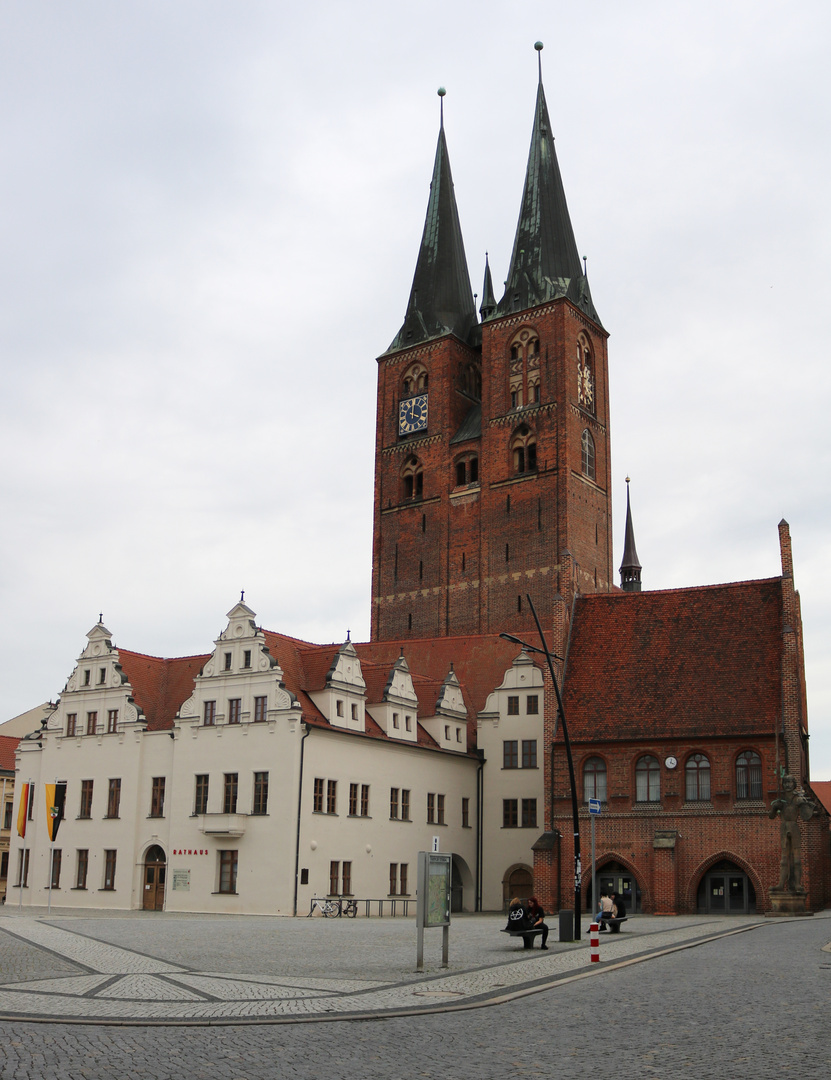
(692, 663)
(160, 686)
(8, 745)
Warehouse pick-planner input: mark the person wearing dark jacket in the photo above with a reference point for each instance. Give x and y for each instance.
(536, 917)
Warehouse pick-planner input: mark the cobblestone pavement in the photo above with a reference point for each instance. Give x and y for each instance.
(745, 1005)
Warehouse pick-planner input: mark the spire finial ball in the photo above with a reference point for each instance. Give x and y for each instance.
(441, 91)
(538, 45)
(627, 479)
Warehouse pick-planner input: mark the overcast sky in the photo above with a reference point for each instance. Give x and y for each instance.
(209, 219)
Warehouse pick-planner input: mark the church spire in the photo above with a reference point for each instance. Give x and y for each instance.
(545, 263)
(441, 299)
(488, 305)
(630, 568)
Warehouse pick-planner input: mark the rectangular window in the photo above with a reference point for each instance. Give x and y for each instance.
(260, 709)
(109, 869)
(260, 793)
(339, 707)
(57, 856)
(7, 816)
(200, 801)
(71, 722)
(532, 705)
(440, 809)
(393, 878)
(81, 867)
(246, 658)
(228, 871)
(112, 721)
(529, 753)
(102, 676)
(393, 803)
(364, 800)
(92, 722)
(510, 759)
(317, 806)
(346, 874)
(513, 706)
(86, 799)
(157, 797)
(353, 800)
(405, 804)
(334, 877)
(332, 797)
(86, 677)
(402, 876)
(234, 710)
(509, 813)
(465, 813)
(395, 719)
(210, 714)
(354, 711)
(230, 795)
(227, 661)
(431, 809)
(408, 722)
(4, 865)
(114, 798)
(529, 813)
(23, 867)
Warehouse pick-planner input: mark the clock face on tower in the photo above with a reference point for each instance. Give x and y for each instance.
(412, 415)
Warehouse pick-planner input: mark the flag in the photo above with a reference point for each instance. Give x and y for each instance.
(55, 799)
(21, 810)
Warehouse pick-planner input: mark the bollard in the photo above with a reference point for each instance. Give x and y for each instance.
(594, 942)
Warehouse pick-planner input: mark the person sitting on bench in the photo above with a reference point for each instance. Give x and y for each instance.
(537, 917)
(607, 908)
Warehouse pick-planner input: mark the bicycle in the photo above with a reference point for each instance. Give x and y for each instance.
(349, 908)
(329, 909)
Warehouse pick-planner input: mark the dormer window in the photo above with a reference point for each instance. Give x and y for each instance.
(246, 658)
(339, 707)
(524, 369)
(408, 723)
(395, 719)
(86, 677)
(102, 676)
(227, 661)
(354, 711)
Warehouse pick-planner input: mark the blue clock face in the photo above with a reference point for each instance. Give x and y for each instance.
(412, 415)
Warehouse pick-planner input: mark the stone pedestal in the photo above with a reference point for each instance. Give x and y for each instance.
(788, 902)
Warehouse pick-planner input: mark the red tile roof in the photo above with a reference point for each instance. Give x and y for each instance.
(8, 745)
(160, 686)
(822, 790)
(693, 662)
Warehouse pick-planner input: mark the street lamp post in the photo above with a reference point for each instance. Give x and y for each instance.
(550, 657)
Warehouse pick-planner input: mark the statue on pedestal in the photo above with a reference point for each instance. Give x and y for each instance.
(791, 805)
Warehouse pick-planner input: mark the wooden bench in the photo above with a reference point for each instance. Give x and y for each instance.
(612, 925)
(526, 935)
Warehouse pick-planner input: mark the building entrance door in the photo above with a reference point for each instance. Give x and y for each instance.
(615, 878)
(726, 890)
(155, 866)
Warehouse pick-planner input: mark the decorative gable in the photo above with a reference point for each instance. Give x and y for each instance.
(510, 698)
(97, 698)
(449, 726)
(343, 700)
(397, 712)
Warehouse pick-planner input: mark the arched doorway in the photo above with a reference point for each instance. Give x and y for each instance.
(155, 867)
(726, 890)
(519, 881)
(614, 878)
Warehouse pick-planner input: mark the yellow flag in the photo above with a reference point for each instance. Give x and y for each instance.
(22, 810)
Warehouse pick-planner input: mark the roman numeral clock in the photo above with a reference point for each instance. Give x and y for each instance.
(412, 415)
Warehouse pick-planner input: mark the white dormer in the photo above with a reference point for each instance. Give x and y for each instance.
(343, 700)
(449, 726)
(519, 696)
(397, 712)
(241, 681)
(97, 698)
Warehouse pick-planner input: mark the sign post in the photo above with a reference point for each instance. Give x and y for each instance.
(594, 810)
(433, 908)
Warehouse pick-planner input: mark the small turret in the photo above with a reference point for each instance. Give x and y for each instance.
(630, 568)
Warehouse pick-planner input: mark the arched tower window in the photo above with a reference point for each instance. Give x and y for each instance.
(524, 369)
(585, 373)
(524, 450)
(594, 779)
(467, 470)
(412, 478)
(415, 380)
(587, 454)
(697, 778)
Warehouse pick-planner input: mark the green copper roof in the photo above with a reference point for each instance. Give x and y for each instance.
(545, 263)
(488, 305)
(441, 299)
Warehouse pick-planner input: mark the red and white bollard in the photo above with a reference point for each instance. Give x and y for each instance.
(594, 942)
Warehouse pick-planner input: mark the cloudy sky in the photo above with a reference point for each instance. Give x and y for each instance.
(209, 219)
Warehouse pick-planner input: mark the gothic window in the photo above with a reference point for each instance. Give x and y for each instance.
(587, 455)
(467, 471)
(524, 369)
(585, 374)
(415, 380)
(697, 779)
(470, 380)
(748, 775)
(647, 779)
(412, 476)
(524, 450)
(594, 779)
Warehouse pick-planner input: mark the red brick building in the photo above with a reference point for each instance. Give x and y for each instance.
(493, 473)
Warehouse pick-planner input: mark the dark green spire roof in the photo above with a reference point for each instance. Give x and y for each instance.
(545, 263)
(441, 300)
(488, 305)
(630, 568)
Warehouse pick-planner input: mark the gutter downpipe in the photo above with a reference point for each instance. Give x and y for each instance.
(299, 808)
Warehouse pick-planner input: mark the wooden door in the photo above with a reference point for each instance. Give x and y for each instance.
(155, 867)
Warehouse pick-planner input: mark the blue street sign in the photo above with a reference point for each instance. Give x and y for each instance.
(594, 806)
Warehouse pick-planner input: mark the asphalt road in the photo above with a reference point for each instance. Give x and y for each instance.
(752, 1005)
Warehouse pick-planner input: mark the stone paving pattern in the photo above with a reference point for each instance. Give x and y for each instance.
(751, 1004)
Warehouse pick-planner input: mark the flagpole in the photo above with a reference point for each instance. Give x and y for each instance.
(51, 872)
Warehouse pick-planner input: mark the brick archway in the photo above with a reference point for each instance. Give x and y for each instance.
(691, 894)
(616, 857)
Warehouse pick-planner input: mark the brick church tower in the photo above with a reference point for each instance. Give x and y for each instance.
(492, 467)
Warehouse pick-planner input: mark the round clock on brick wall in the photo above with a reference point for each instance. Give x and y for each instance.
(671, 762)
(412, 415)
